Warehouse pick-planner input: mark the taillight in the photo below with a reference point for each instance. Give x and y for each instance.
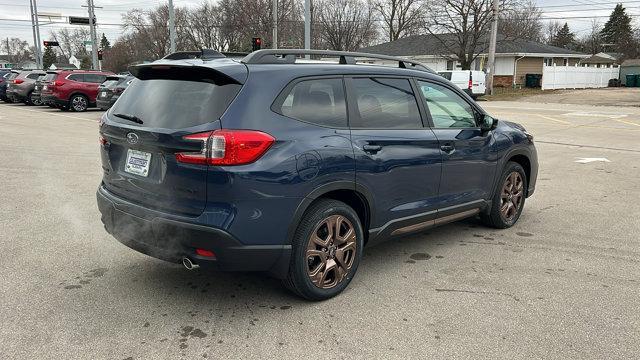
(57, 83)
(227, 147)
(18, 81)
(470, 83)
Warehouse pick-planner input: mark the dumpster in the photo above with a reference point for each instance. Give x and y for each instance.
(633, 80)
(533, 80)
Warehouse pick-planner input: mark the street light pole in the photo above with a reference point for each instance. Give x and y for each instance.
(39, 42)
(34, 26)
(172, 28)
(307, 25)
(275, 24)
(492, 48)
(94, 37)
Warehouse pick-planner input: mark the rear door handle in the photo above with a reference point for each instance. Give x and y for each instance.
(371, 149)
(448, 148)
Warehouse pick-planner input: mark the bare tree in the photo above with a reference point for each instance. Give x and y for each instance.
(461, 27)
(71, 41)
(345, 24)
(521, 21)
(591, 42)
(17, 49)
(401, 17)
(241, 21)
(551, 30)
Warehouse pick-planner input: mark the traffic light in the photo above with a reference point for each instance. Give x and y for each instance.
(256, 43)
(100, 54)
(50, 43)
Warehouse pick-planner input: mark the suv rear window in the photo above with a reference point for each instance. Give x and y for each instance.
(94, 78)
(174, 104)
(50, 77)
(319, 101)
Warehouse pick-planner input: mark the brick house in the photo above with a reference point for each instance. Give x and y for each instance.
(514, 58)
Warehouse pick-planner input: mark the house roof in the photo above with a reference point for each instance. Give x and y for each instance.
(431, 45)
(631, 62)
(596, 59)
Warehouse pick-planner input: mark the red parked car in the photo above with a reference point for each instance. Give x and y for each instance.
(73, 89)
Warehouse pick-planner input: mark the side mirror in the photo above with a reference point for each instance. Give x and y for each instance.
(487, 123)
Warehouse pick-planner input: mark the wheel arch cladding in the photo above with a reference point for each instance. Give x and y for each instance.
(355, 199)
(524, 162)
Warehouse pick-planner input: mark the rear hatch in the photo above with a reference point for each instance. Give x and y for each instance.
(143, 131)
(105, 91)
(49, 78)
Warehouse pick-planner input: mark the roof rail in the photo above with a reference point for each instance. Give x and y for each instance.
(270, 56)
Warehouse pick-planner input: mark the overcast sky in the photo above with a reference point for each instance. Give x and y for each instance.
(112, 9)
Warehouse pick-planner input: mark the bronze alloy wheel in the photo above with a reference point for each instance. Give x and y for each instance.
(511, 196)
(331, 251)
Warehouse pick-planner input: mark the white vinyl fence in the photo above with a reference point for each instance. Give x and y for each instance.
(577, 77)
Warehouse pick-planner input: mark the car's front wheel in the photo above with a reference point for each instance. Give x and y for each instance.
(78, 103)
(327, 249)
(508, 200)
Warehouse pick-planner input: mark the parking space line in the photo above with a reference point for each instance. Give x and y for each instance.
(626, 122)
(54, 114)
(553, 119)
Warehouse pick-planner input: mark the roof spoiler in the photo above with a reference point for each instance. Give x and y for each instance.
(204, 54)
(188, 72)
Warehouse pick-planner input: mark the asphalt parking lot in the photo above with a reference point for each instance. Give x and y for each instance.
(563, 283)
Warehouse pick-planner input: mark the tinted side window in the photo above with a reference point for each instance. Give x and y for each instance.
(448, 109)
(76, 77)
(385, 104)
(319, 101)
(94, 78)
(33, 76)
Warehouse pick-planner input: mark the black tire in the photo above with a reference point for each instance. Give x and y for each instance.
(78, 103)
(33, 101)
(496, 217)
(299, 280)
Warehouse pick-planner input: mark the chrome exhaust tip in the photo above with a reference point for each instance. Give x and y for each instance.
(188, 264)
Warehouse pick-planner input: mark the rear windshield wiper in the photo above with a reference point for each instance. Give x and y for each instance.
(129, 117)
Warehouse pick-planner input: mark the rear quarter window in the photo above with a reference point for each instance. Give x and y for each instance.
(76, 77)
(174, 104)
(317, 101)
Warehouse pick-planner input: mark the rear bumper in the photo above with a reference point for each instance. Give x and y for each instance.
(105, 104)
(171, 238)
(14, 96)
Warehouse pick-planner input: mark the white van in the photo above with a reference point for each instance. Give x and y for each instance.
(473, 82)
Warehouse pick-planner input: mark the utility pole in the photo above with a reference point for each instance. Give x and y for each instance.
(39, 43)
(307, 25)
(94, 37)
(172, 28)
(492, 48)
(275, 24)
(34, 27)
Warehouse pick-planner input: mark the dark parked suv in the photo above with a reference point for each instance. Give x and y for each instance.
(293, 167)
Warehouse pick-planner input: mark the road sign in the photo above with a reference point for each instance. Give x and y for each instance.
(79, 20)
(88, 42)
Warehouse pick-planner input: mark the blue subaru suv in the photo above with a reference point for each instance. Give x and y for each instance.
(292, 166)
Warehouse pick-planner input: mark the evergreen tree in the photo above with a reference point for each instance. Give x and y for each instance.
(104, 43)
(617, 33)
(564, 38)
(85, 62)
(49, 57)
